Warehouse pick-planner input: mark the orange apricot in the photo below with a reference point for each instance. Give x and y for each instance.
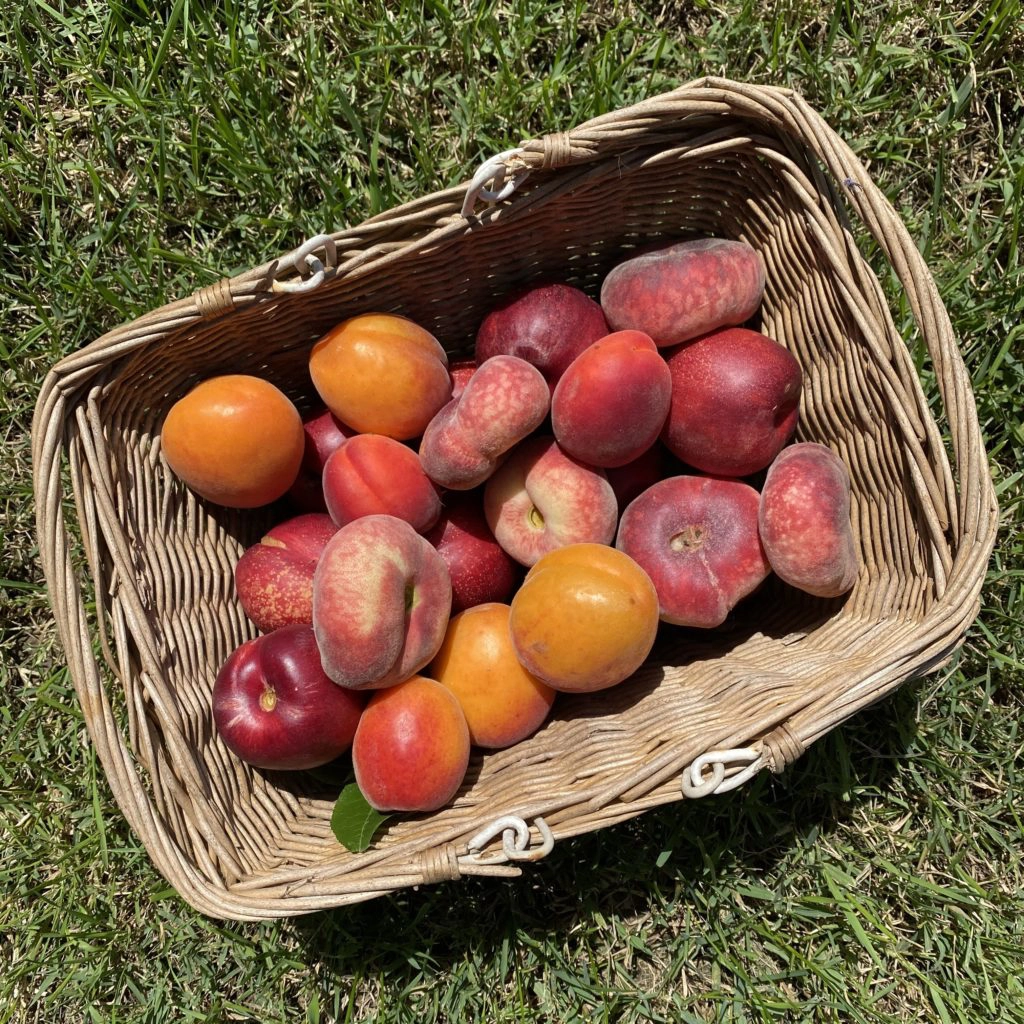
(502, 702)
(585, 618)
(235, 440)
(381, 374)
(411, 747)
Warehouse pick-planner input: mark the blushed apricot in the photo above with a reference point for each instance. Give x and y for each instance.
(381, 374)
(585, 618)
(502, 702)
(235, 440)
(411, 747)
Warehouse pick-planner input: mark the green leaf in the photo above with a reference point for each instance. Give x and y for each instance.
(354, 821)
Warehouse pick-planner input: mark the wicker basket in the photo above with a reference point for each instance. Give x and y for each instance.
(708, 710)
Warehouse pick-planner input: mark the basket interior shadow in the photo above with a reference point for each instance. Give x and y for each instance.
(261, 842)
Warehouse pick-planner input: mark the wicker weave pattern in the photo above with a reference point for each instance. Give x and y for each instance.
(712, 157)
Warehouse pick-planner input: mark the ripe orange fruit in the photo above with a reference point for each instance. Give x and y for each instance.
(235, 440)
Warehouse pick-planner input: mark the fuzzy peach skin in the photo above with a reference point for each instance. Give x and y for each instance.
(609, 406)
(381, 374)
(541, 499)
(411, 747)
(697, 538)
(681, 290)
(274, 578)
(548, 324)
(371, 474)
(735, 401)
(505, 400)
(381, 602)
(585, 618)
(502, 702)
(804, 519)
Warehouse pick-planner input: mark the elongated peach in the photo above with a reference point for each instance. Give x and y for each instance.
(381, 601)
(804, 520)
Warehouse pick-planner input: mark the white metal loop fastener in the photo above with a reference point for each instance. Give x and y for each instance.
(515, 839)
(305, 260)
(695, 783)
(495, 170)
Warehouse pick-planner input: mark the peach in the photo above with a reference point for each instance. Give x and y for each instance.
(505, 400)
(371, 474)
(585, 618)
(411, 747)
(804, 519)
(502, 702)
(541, 499)
(324, 433)
(235, 440)
(735, 397)
(547, 324)
(609, 406)
(381, 374)
(680, 290)
(274, 578)
(381, 602)
(480, 569)
(697, 538)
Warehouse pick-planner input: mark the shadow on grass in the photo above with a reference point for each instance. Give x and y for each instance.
(691, 854)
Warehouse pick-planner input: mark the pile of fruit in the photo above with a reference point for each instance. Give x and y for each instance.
(466, 541)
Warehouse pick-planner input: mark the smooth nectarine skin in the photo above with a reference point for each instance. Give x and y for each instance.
(585, 618)
(371, 474)
(505, 400)
(735, 398)
(275, 708)
(460, 371)
(381, 602)
(636, 476)
(609, 406)
(804, 519)
(381, 374)
(540, 499)
(235, 440)
(481, 571)
(502, 702)
(680, 290)
(324, 433)
(274, 578)
(697, 538)
(546, 324)
(411, 747)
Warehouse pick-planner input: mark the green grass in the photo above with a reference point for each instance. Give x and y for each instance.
(148, 148)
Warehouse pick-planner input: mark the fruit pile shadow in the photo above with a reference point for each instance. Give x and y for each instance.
(694, 852)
